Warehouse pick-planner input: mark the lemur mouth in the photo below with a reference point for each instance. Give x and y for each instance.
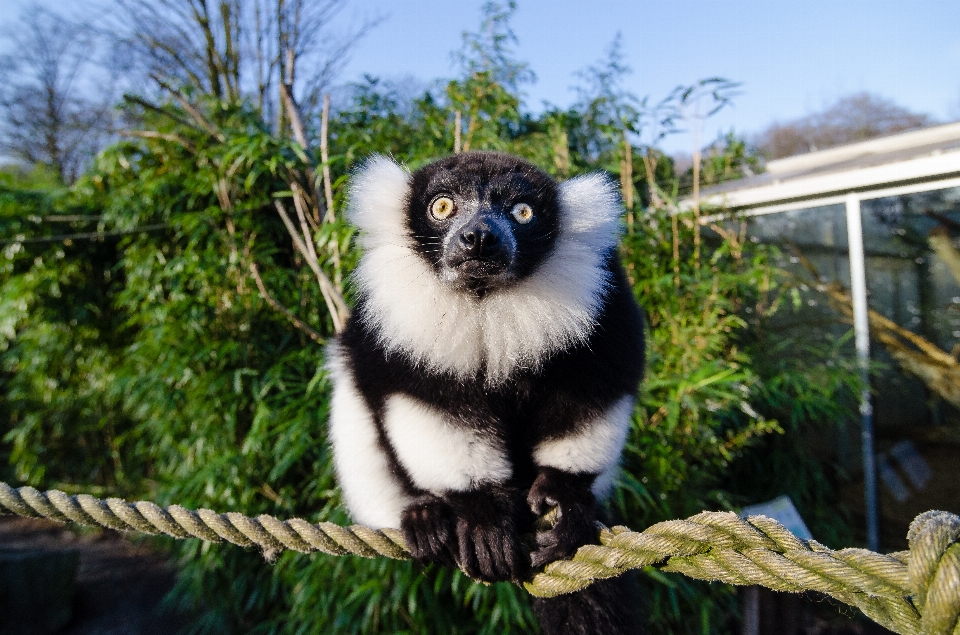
(480, 275)
(480, 268)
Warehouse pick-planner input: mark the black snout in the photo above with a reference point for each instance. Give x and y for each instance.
(478, 241)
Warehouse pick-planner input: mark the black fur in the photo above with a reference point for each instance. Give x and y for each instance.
(605, 607)
(480, 529)
(496, 182)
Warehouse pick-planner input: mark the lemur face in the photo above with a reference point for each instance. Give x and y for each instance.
(483, 220)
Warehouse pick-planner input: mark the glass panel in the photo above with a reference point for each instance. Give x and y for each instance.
(912, 251)
(813, 241)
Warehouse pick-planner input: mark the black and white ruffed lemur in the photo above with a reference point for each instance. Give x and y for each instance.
(489, 369)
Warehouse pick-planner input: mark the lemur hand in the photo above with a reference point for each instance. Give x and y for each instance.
(428, 528)
(576, 513)
(487, 523)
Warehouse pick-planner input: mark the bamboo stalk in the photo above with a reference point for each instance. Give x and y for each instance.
(626, 180)
(325, 159)
(697, 157)
(650, 167)
(457, 131)
(333, 299)
(297, 322)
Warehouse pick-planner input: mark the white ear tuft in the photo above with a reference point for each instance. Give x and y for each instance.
(378, 196)
(591, 210)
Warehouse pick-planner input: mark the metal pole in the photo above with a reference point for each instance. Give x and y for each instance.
(861, 327)
(751, 610)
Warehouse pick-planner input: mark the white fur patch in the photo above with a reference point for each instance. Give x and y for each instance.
(603, 484)
(594, 449)
(446, 330)
(439, 453)
(371, 492)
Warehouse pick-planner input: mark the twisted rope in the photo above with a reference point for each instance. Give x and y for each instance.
(913, 593)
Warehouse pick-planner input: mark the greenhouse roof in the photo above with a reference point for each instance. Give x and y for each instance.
(923, 159)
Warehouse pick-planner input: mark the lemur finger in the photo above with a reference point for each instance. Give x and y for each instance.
(515, 560)
(545, 556)
(468, 557)
(485, 548)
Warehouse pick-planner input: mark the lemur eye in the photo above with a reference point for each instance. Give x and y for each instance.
(522, 212)
(441, 208)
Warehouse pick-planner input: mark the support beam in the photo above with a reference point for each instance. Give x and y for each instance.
(858, 287)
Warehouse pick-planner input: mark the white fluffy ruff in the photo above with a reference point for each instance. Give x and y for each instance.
(445, 330)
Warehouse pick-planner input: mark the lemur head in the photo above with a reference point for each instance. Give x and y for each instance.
(482, 220)
(481, 260)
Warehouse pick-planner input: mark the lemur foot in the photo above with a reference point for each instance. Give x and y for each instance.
(576, 514)
(428, 528)
(487, 530)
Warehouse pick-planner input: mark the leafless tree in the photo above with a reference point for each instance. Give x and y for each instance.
(853, 118)
(54, 111)
(233, 49)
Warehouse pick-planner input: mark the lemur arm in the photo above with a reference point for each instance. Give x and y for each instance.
(467, 513)
(573, 471)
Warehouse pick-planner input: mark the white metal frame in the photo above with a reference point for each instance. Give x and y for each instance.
(861, 329)
(858, 288)
(925, 168)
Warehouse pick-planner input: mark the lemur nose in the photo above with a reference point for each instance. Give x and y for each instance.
(478, 242)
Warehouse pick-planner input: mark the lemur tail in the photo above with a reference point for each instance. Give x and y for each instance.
(606, 607)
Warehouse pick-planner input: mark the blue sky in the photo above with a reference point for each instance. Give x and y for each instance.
(792, 56)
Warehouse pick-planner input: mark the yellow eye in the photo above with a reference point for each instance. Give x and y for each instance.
(522, 212)
(441, 208)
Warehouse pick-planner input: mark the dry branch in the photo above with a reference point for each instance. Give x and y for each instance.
(190, 108)
(333, 299)
(297, 322)
(165, 136)
(325, 159)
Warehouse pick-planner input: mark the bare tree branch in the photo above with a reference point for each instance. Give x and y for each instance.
(333, 299)
(325, 158)
(166, 136)
(297, 322)
(190, 108)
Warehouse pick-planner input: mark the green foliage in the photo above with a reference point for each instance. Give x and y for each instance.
(144, 359)
(727, 159)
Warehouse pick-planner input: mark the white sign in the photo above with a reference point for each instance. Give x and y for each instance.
(780, 509)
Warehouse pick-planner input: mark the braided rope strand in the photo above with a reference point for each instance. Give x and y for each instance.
(265, 532)
(913, 593)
